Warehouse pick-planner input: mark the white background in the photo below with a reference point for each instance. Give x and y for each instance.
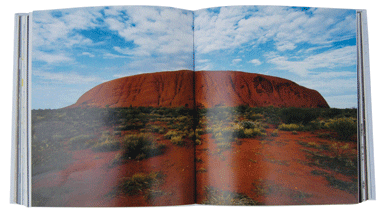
(376, 45)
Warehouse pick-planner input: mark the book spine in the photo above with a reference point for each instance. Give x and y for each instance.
(20, 174)
(366, 159)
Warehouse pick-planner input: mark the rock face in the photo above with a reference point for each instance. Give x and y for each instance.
(231, 88)
(161, 89)
(212, 88)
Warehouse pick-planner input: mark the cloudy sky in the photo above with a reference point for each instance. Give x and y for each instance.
(315, 48)
(77, 49)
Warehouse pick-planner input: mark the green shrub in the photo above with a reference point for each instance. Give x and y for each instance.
(258, 132)
(81, 141)
(156, 128)
(170, 134)
(215, 196)
(247, 124)
(118, 133)
(298, 115)
(110, 144)
(267, 187)
(255, 116)
(201, 170)
(115, 161)
(223, 145)
(141, 146)
(324, 135)
(344, 127)
(57, 138)
(200, 131)
(198, 142)
(139, 183)
(249, 133)
(275, 133)
(240, 133)
(340, 157)
(331, 113)
(178, 140)
(291, 127)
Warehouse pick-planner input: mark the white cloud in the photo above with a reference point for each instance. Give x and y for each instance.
(338, 88)
(285, 45)
(88, 54)
(54, 32)
(204, 67)
(286, 27)
(152, 30)
(339, 74)
(56, 57)
(203, 64)
(328, 86)
(202, 60)
(113, 56)
(66, 78)
(342, 57)
(311, 49)
(255, 61)
(236, 60)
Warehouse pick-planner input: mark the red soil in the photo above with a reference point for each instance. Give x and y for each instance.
(278, 162)
(88, 181)
(212, 88)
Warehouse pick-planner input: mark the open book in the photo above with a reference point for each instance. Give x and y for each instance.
(155, 106)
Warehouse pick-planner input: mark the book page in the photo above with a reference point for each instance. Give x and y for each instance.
(276, 91)
(112, 107)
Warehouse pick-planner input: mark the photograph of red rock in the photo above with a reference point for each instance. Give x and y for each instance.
(269, 141)
(220, 107)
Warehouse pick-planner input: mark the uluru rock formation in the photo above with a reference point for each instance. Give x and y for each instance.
(212, 88)
(160, 89)
(233, 88)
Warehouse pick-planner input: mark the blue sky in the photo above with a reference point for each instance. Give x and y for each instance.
(315, 48)
(77, 49)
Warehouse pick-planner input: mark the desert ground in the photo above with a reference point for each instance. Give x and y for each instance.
(145, 156)
(249, 156)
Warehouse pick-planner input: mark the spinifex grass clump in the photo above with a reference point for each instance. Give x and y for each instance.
(348, 186)
(81, 141)
(178, 140)
(298, 115)
(219, 197)
(224, 135)
(344, 127)
(339, 157)
(248, 129)
(142, 184)
(267, 188)
(275, 133)
(177, 137)
(170, 134)
(108, 145)
(291, 127)
(141, 146)
(155, 128)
